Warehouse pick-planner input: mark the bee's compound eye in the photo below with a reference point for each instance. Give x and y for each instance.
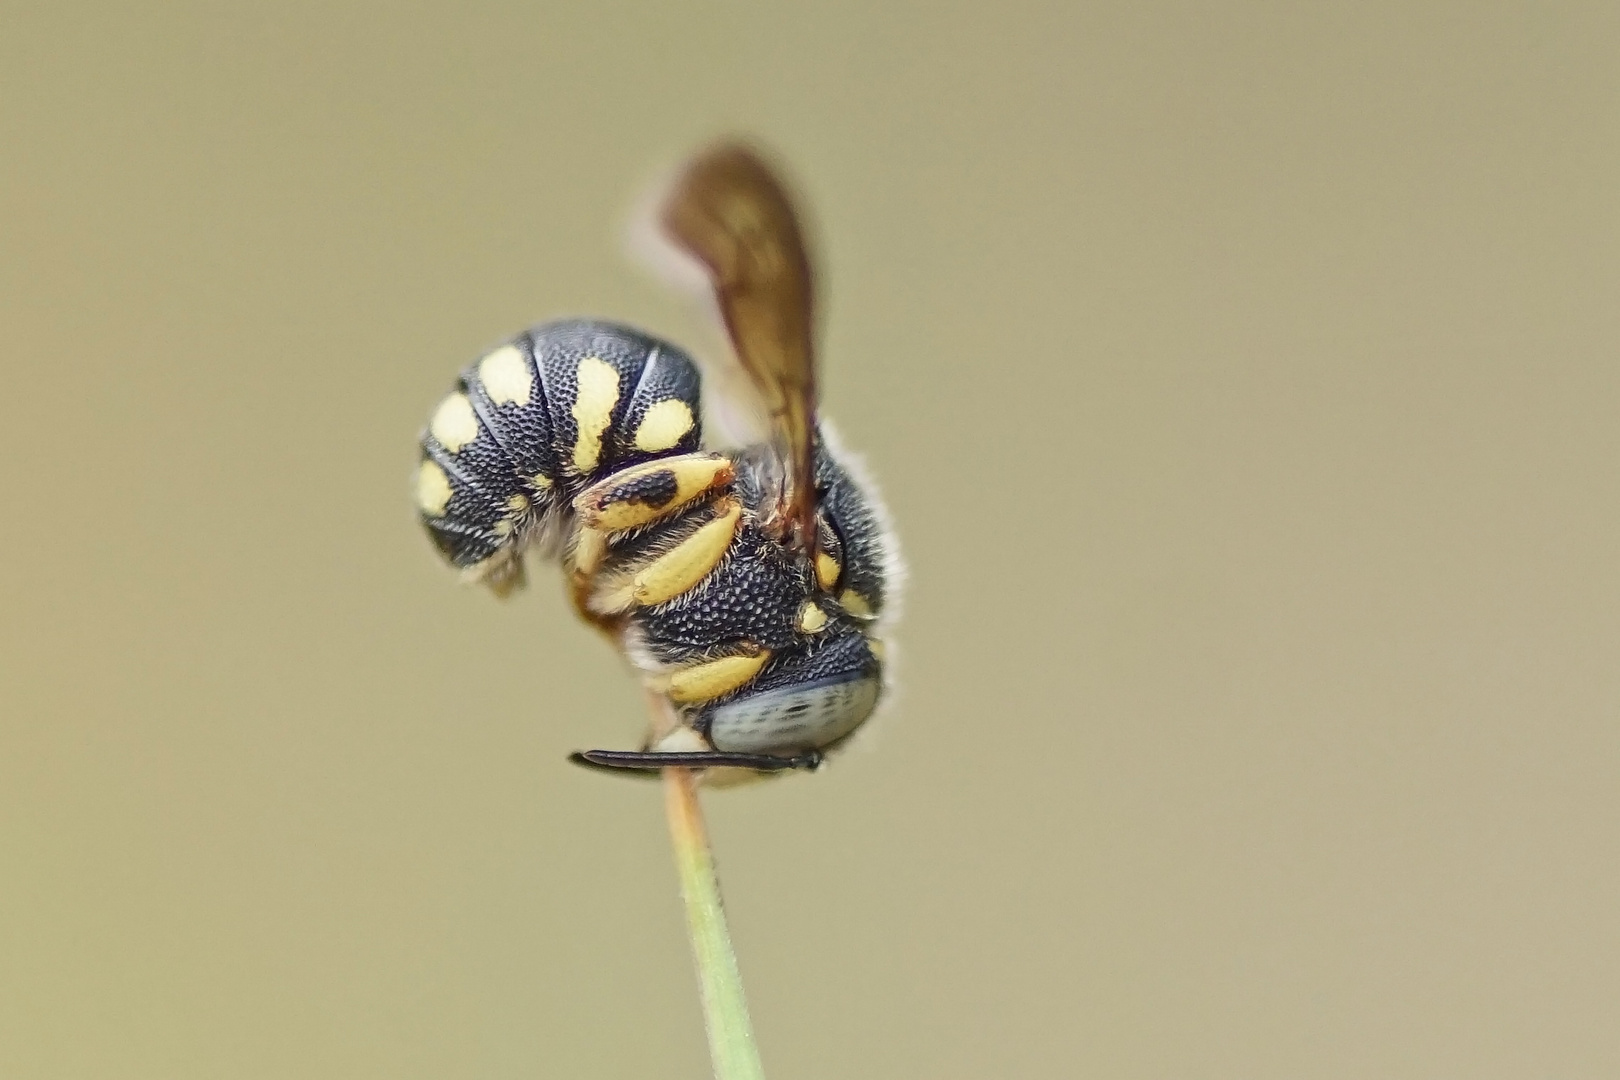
(810, 714)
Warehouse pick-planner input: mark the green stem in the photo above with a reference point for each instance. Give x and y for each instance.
(725, 1012)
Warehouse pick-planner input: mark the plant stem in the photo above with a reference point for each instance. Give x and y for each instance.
(725, 1012)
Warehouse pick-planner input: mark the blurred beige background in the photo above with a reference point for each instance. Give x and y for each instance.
(1244, 382)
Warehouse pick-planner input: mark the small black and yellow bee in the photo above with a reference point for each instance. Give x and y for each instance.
(749, 587)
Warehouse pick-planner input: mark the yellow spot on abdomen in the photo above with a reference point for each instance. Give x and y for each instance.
(505, 375)
(432, 489)
(664, 425)
(704, 682)
(688, 562)
(454, 424)
(598, 392)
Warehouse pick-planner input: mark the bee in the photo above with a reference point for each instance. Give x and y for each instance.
(748, 587)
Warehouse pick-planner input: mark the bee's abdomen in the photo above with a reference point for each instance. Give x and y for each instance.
(533, 422)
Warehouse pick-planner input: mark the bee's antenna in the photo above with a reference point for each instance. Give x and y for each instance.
(652, 760)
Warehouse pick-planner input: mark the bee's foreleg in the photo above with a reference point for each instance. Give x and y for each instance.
(642, 494)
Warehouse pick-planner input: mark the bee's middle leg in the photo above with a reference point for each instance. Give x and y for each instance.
(615, 587)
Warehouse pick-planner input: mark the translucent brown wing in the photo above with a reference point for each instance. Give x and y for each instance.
(730, 211)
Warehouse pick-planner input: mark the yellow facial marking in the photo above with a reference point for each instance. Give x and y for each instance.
(856, 604)
(665, 424)
(505, 375)
(693, 475)
(827, 570)
(540, 480)
(518, 504)
(811, 618)
(688, 562)
(593, 409)
(432, 489)
(454, 424)
(707, 681)
(879, 649)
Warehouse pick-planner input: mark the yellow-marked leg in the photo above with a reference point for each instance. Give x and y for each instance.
(590, 548)
(642, 494)
(712, 678)
(672, 573)
(688, 562)
(583, 560)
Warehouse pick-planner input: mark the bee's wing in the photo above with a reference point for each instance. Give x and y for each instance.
(728, 216)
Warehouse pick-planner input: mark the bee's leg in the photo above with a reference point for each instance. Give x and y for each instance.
(641, 494)
(583, 559)
(650, 761)
(635, 497)
(659, 579)
(693, 684)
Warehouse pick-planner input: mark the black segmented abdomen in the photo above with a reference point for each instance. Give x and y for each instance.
(535, 421)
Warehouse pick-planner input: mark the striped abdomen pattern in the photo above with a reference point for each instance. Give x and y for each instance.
(533, 422)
